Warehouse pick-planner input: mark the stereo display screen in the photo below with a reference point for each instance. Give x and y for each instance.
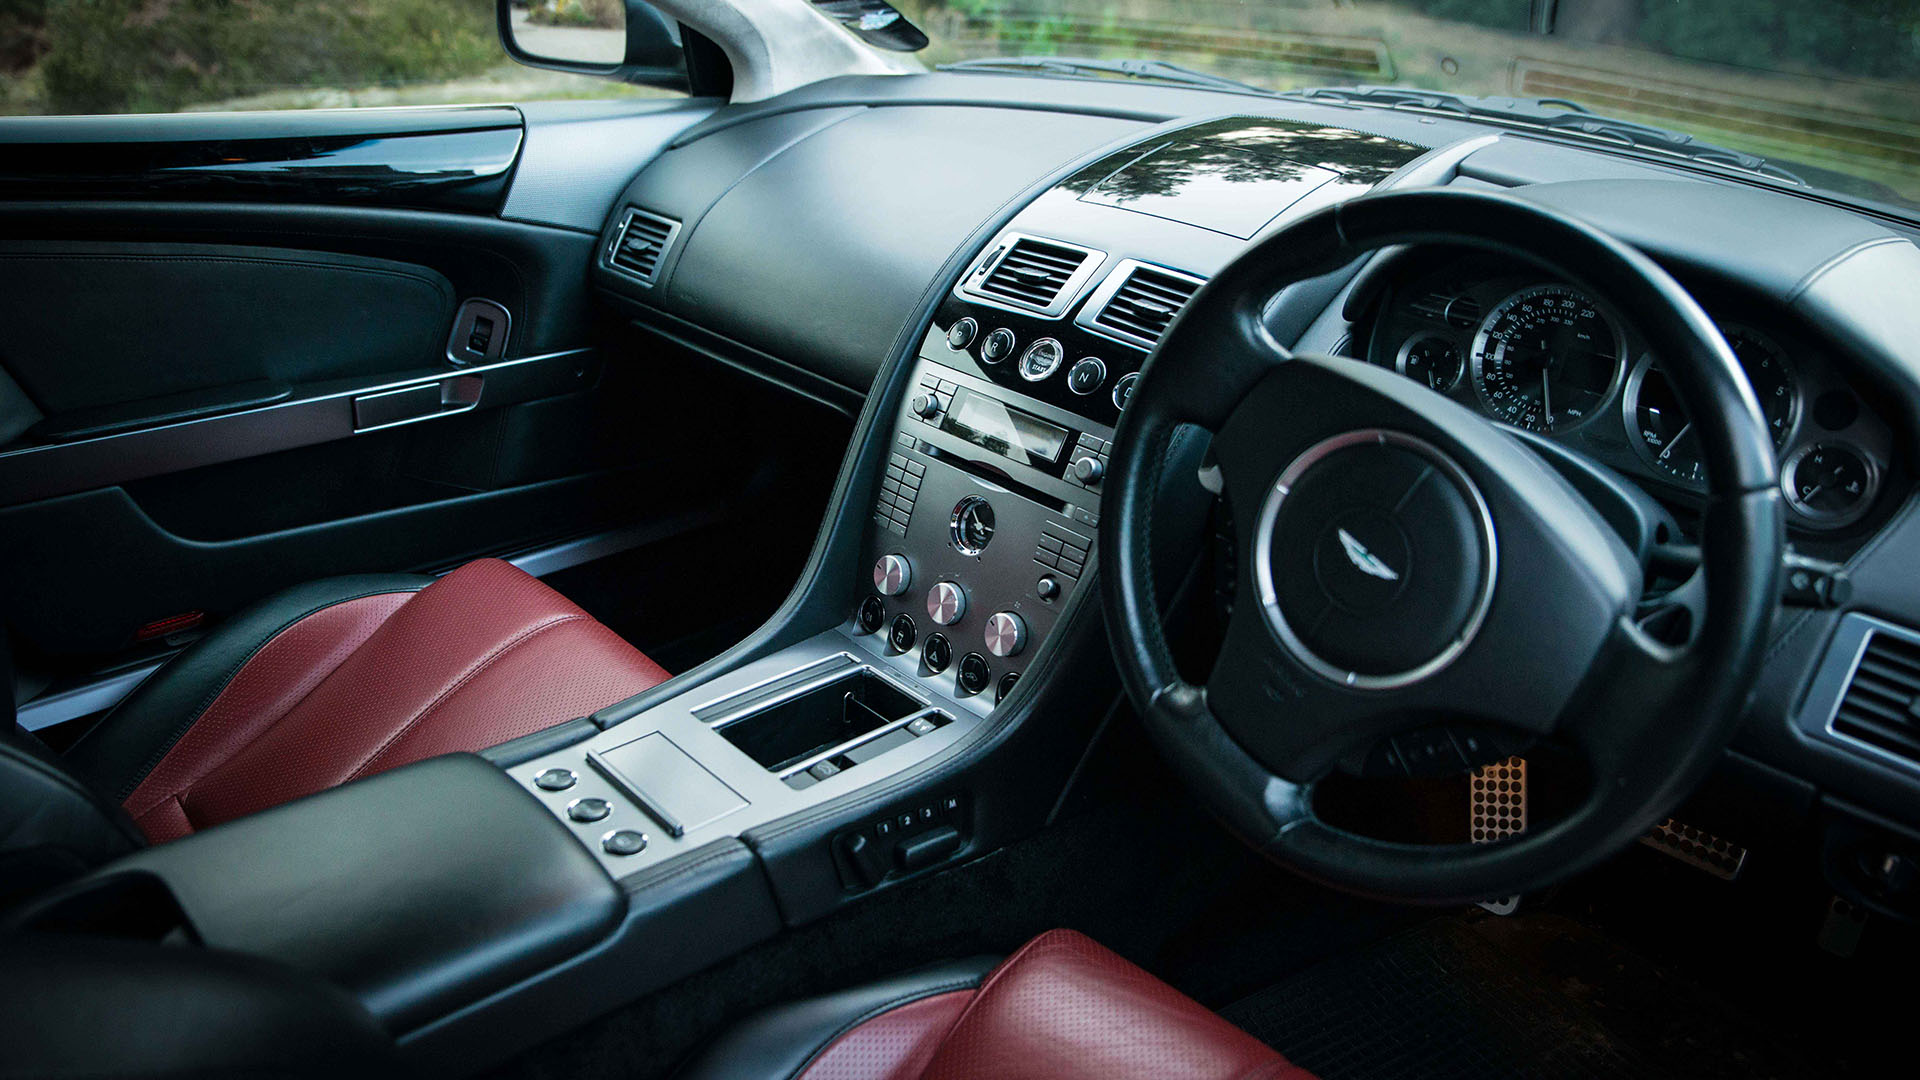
(1014, 435)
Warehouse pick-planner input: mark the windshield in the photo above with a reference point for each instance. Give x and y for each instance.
(1826, 89)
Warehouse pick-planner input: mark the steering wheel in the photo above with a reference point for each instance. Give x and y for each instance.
(1418, 591)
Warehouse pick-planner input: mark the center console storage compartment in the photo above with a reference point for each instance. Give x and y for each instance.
(821, 719)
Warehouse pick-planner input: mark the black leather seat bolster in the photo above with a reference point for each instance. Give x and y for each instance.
(782, 1041)
(125, 746)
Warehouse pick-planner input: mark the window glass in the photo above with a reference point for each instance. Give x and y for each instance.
(1827, 90)
(119, 56)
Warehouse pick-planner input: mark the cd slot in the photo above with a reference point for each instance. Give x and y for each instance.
(995, 475)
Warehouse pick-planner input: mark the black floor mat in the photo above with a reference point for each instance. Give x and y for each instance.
(1539, 996)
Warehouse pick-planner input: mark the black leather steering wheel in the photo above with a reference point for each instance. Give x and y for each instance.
(1418, 588)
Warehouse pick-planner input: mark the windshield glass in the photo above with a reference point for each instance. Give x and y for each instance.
(1826, 89)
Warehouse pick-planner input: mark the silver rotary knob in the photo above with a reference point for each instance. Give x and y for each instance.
(892, 574)
(1006, 634)
(946, 602)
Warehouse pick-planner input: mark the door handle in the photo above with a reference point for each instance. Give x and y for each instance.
(454, 394)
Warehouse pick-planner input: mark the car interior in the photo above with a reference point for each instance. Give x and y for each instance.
(1021, 569)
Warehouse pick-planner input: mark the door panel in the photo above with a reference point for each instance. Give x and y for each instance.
(94, 324)
(218, 382)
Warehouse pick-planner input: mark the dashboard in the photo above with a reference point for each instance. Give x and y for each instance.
(1531, 352)
(878, 242)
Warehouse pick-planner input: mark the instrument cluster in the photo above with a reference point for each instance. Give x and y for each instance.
(1544, 355)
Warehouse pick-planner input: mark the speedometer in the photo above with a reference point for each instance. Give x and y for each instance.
(1547, 358)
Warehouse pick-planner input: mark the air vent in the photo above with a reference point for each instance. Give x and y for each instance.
(1036, 275)
(1457, 311)
(640, 244)
(1881, 706)
(1142, 303)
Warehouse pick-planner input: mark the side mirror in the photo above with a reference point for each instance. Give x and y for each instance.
(628, 40)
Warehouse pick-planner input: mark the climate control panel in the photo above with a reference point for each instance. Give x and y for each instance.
(982, 530)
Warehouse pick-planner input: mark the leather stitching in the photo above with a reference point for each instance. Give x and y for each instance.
(220, 686)
(447, 694)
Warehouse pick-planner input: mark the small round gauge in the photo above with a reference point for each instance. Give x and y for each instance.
(1041, 359)
(1770, 374)
(1546, 358)
(1663, 431)
(972, 525)
(1829, 483)
(1436, 361)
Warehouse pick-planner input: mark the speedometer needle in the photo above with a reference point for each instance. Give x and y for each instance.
(1546, 398)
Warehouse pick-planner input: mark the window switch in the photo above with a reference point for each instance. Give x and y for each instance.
(482, 335)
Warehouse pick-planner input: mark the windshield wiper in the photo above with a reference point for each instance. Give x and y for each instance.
(1554, 116)
(1081, 67)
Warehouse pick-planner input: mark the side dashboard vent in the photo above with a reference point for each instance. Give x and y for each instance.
(1139, 302)
(1034, 274)
(640, 244)
(1881, 705)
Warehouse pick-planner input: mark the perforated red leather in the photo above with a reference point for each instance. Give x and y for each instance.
(484, 655)
(1065, 1008)
(896, 1045)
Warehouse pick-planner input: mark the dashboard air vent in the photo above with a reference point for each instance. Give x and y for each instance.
(1040, 275)
(1457, 311)
(1881, 706)
(1144, 304)
(640, 244)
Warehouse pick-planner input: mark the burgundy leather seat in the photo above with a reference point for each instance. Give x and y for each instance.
(346, 677)
(1061, 1008)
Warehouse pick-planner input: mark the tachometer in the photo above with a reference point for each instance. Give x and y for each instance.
(1663, 431)
(1547, 358)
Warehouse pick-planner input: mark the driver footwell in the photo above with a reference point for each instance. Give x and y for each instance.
(1480, 997)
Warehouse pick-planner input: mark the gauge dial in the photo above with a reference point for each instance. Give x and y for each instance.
(1829, 483)
(1546, 358)
(1435, 361)
(1664, 432)
(1770, 374)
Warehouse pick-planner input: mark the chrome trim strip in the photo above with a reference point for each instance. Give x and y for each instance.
(98, 696)
(862, 739)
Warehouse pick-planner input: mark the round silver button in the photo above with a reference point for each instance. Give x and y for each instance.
(555, 779)
(624, 842)
(946, 603)
(892, 574)
(589, 809)
(1006, 634)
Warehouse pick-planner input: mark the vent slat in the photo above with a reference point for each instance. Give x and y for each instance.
(1034, 273)
(643, 242)
(1879, 706)
(1144, 305)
